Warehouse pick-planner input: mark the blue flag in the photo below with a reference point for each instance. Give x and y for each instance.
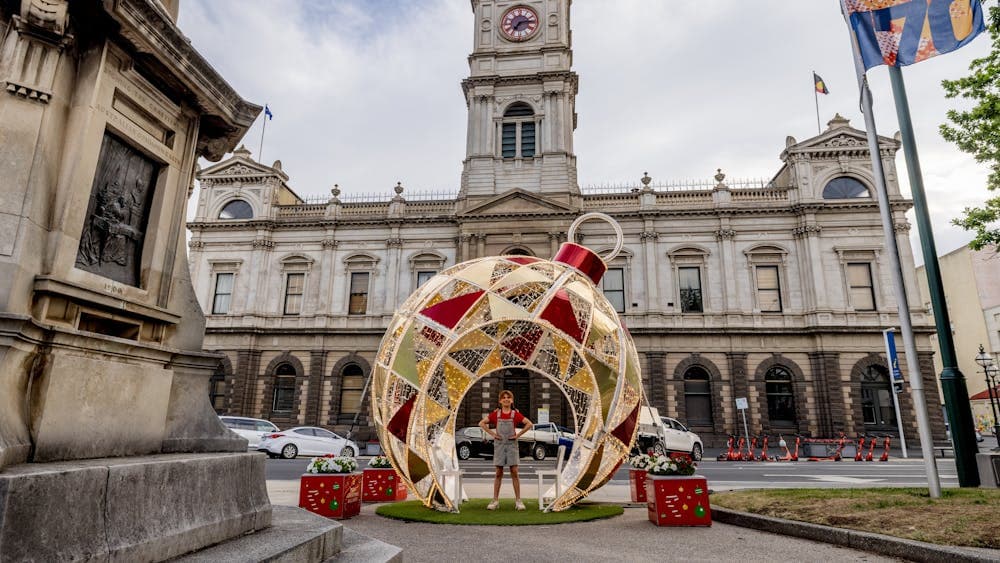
(903, 32)
(267, 113)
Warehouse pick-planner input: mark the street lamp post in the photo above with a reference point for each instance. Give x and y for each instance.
(991, 371)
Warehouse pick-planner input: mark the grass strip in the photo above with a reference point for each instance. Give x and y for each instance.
(473, 512)
(961, 517)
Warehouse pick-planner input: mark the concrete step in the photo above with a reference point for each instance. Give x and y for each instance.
(359, 548)
(294, 535)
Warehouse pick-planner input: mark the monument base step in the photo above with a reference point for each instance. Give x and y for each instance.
(294, 535)
(359, 548)
(141, 508)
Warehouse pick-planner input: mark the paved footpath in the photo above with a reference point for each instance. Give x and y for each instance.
(630, 537)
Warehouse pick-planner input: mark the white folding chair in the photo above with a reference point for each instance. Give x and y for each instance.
(457, 493)
(556, 474)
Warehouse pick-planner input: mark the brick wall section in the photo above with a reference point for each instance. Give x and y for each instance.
(825, 367)
(739, 379)
(317, 359)
(655, 362)
(247, 371)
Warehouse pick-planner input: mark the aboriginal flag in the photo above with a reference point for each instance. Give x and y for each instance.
(820, 85)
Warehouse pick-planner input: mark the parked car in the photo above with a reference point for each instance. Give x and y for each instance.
(306, 440)
(250, 428)
(544, 439)
(470, 441)
(663, 434)
(680, 439)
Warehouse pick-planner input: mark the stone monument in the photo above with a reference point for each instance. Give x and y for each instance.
(109, 448)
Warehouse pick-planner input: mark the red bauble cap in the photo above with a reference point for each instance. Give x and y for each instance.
(583, 259)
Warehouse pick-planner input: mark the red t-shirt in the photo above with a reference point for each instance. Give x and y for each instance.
(513, 414)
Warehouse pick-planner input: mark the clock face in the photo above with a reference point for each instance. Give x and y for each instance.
(519, 23)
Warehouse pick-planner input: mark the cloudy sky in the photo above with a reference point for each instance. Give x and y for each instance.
(366, 93)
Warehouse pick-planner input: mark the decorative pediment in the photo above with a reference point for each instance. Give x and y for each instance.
(235, 168)
(838, 139)
(239, 166)
(517, 202)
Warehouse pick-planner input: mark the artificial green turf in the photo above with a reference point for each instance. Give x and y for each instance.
(473, 512)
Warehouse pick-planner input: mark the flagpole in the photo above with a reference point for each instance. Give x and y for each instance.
(956, 394)
(896, 269)
(260, 153)
(816, 96)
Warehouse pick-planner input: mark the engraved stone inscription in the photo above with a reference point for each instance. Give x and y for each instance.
(114, 231)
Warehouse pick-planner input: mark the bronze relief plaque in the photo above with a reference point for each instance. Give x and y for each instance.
(117, 214)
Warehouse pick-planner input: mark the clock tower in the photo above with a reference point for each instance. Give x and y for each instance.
(521, 95)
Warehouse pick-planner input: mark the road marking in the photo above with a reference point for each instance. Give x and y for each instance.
(840, 479)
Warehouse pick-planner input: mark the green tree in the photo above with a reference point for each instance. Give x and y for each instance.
(977, 132)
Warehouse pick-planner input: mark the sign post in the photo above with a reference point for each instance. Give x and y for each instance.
(741, 405)
(897, 381)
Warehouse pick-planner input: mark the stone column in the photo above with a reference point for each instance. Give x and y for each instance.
(651, 263)
(327, 268)
(480, 245)
(727, 266)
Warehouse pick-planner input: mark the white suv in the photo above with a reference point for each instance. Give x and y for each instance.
(250, 428)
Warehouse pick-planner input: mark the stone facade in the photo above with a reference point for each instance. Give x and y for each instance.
(727, 287)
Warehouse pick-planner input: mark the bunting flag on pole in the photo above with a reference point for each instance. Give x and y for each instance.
(903, 32)
(820, 85)
(267, 112)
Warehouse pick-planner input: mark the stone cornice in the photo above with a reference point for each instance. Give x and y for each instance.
(497, 80)
(146, 25)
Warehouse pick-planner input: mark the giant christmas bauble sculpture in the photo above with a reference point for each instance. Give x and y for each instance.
(489, 314)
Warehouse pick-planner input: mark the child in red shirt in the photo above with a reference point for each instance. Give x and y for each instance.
(505, 451)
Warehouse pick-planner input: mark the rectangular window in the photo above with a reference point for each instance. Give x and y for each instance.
(351, 394)
(690, 285)
(423, 277)
(359, 294)
(527, 140)
(508, 140)
(859, 281)
(293, 293)
(614, 288)
(768, 289)
(223, 294)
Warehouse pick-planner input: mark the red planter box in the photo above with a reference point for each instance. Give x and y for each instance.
(333, 495)
(637, 484)
(675, 500)
(382, 485)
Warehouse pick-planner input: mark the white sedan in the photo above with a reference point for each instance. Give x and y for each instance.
(306, 440)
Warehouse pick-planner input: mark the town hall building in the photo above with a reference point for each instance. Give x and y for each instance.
(775, 291)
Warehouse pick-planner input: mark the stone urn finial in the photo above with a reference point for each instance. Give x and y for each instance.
(399, 188)
(646, 179)
(719, 176)
(335, 194)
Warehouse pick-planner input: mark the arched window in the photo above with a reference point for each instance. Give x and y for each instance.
(518, 251)
(517, 135)
(876, 398)
(283, 399)
(698, 397)
(352, 384)
(844, 188)
(217, 389)
(237, 209)
(780, 396)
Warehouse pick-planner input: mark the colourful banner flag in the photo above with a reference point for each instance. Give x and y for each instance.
(820, 85)
(903, 32)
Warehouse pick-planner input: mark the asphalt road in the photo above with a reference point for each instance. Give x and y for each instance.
(723, 475)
